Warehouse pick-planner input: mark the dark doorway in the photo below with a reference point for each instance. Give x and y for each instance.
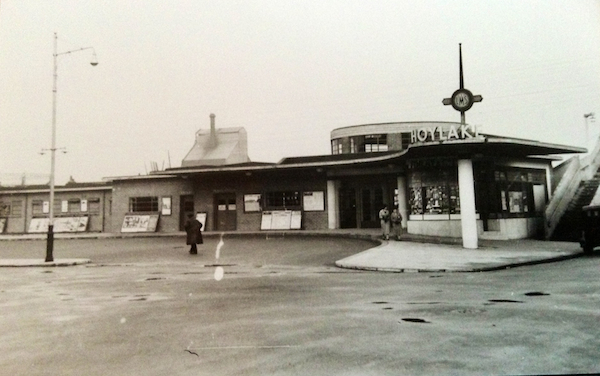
(226, 213)
(186, 207)
(347, 208)
(371, 204)
(361, 201)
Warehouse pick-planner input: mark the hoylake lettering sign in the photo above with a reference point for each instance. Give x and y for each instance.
(438, 133)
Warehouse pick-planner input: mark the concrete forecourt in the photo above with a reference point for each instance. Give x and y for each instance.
(279, 305)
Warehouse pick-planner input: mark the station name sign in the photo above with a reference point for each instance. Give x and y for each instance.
(438, 133)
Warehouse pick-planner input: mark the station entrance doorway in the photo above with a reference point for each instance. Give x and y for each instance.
(360, 202)
(226, 213)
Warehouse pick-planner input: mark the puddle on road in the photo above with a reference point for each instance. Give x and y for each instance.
(536, 293)
(416, 320)
(504, 301)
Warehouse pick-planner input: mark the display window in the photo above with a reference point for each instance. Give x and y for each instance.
(523, 191)
(433, 193)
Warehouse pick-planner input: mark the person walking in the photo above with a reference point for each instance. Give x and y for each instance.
(193, 229)
(396, 219)
(384, 219)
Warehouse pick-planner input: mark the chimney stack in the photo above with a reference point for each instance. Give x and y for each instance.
(212, 141)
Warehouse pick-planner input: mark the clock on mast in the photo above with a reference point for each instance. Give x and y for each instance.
(462, 99)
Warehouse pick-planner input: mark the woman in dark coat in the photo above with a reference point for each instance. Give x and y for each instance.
(194, 235)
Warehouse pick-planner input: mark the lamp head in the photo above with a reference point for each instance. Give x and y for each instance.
(94, 61)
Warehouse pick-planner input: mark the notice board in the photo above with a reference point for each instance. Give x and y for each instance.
(140, 223)
(281, 220)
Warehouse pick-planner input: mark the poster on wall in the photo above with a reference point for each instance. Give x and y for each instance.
(281, 220)
(265, 223)
(296, 220)
(201, 217)
(252, 203)
(61, 224)
(165, 208)
(314, 201)
(38, 225)
(140, 223)
(2, 225)
(70, 224)
(515, 201)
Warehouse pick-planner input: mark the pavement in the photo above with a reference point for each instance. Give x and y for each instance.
(411, 254)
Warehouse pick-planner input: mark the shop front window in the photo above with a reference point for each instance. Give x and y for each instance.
(434, 192)
(522, 192)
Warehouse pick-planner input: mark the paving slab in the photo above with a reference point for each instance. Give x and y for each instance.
(409, 256)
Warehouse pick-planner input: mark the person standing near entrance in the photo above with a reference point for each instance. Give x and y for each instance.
(396, 219)
(384, 219)
(193, 229)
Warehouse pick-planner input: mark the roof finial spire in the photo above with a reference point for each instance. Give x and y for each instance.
(462, 81)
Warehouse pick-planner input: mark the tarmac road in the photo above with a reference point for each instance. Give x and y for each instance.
(146, 307)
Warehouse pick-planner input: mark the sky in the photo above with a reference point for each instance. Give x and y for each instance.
(287, 71)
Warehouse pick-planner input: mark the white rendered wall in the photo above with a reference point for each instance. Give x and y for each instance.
(333, 213)
(402, 202)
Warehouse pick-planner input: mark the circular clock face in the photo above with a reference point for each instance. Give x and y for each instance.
(462, 100)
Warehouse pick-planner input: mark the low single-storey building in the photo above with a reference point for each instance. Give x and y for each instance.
(446, 178)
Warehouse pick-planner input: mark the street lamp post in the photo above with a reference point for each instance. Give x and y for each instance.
(588, 117)
(94, 62)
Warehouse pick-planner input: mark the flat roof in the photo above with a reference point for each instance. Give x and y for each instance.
(484, 145)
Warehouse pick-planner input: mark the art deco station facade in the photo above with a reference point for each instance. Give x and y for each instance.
(447, 179)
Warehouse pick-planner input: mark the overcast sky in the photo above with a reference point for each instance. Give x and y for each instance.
(288, 71)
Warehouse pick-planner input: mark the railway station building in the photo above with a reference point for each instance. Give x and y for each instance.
(446, 178)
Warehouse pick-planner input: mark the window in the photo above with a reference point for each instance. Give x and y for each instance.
(336, 146)
(374, 143)
(93, 205)
(434, 192)
(4, 209)
(57, 206)
(282, 200)
(357, 144)
(405, 140)
(522, 192)
(143, 204)
(37, 207)
(41, 207)
(74, 205)
(16, 209)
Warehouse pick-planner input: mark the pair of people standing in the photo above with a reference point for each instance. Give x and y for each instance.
(393, 219)
(193, 228)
